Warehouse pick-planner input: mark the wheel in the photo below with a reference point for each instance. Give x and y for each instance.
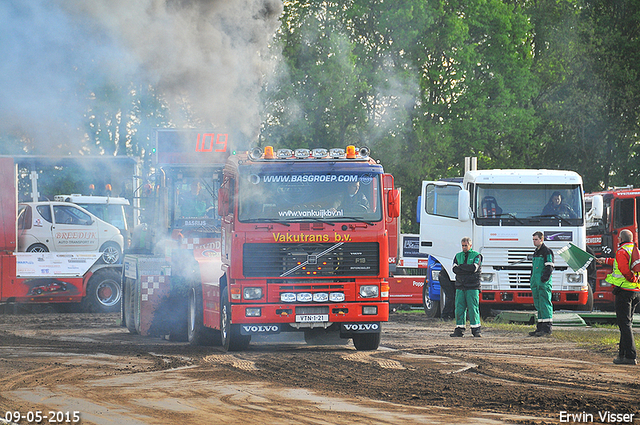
(111, 253)
(197, 332)
(366, 342)
(230, 335)
(431, 307)
(37, 247)
(103, 292)
(589, 305)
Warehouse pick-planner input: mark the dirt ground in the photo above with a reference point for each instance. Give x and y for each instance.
(58, 364)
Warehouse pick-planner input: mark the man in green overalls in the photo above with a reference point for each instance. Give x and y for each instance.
(542, 267)
(467, 267)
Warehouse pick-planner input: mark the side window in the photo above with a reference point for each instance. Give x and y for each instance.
(442, 200)
(232, 195)
(45, 212)
(70, 215)
(624, 212)
(24, 218)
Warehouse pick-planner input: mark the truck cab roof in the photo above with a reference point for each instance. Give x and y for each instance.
(90, 199)
(522, 176)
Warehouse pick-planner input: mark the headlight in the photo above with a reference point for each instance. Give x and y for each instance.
(252, 312)
(336, 297)
(252, 293)
(435, 275)
(370, 310)
(486, 277)
(576, 288)
(304, 297)
(320, 297)
(574, 278)
(288, 297)
(369, 291)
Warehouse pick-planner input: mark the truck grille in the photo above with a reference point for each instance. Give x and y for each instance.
(310, 260)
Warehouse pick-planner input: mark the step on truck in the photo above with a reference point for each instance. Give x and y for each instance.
(283, 241)
(500, 210)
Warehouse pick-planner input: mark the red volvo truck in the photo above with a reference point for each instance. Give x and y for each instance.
(290, 241)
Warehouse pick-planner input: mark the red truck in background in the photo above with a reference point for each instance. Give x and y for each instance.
(298, 241)
(407, 281)
(46, 277)
(621, 210)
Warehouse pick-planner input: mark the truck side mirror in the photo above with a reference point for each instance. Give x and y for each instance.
(597, 208)
(463, 205)
(223, 202)
(393, 203)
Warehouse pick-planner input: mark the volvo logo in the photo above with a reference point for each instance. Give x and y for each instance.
(256, 329)
(356, 327)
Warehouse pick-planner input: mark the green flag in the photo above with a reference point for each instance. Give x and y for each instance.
(576, 258)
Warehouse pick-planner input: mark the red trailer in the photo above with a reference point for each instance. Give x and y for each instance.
(47, 277)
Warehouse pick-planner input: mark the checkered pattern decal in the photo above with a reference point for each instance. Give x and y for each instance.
(149, 284)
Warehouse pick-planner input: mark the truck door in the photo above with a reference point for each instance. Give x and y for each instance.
(440, 228)
(73, 229)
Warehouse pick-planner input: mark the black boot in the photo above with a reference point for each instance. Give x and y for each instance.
(533, 333)
(545, 329)
(457, 332)
(476, 332)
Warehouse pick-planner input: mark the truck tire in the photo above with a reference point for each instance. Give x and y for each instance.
(230, 335)
(589, 305)
(366, 342)
(431, 307)
(197, 332)
(104, 292)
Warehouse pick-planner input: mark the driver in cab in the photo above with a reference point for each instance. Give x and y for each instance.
(556, 206)
(353, 200)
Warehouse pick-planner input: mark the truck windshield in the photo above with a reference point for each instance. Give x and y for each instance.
(515, 205)
(330, 196)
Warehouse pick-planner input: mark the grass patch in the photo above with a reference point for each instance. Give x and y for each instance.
(602, 338)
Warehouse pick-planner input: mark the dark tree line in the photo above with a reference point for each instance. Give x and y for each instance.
(529, 84)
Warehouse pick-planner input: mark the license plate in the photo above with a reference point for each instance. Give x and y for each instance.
(312, 317)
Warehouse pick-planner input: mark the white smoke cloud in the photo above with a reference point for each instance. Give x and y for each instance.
(57, 52)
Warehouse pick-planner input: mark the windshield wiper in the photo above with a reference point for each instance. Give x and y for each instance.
(318, 220)
(358, 219)
(564, 220)
(266, 220)
(511, 216)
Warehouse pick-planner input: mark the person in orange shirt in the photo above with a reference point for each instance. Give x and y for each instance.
(626, 289)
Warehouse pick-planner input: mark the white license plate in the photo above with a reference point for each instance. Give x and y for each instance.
(312, 317)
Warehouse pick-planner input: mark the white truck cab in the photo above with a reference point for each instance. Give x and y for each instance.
(500, 210)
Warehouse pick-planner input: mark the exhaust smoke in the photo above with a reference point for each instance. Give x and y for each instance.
(205, 57)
